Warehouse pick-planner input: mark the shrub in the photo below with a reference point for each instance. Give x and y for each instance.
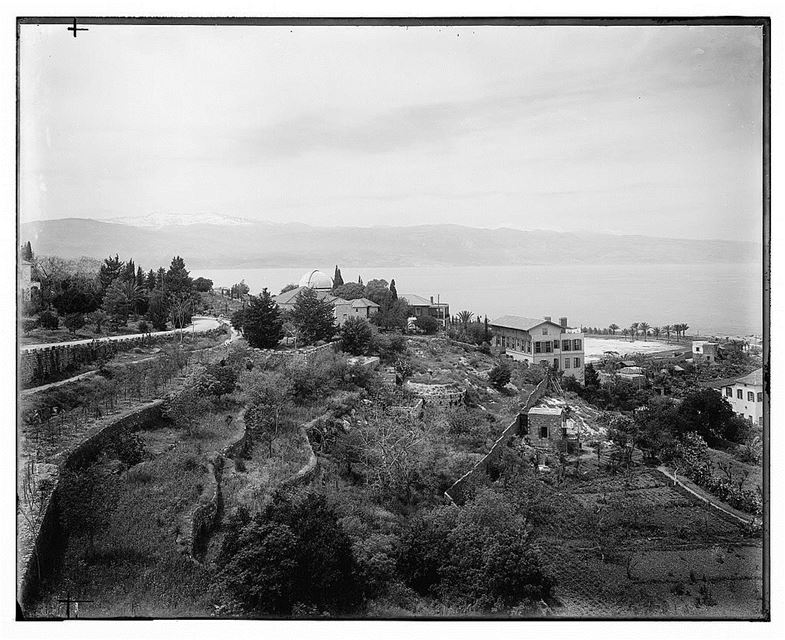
(48, 320)
(129, 449)
(356, 336)
(29, 325)
(143, 327)
(428, 324)
(500, 375)
(294, 555)
(73, 322)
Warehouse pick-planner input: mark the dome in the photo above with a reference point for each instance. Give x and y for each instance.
(316, 280)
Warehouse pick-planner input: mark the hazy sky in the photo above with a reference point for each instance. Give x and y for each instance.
(644, 130)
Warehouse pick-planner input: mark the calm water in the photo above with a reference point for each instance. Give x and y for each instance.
(714, 299)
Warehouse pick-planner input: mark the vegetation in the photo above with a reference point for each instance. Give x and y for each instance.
(261, 321)
(313, 317)
(356, 336)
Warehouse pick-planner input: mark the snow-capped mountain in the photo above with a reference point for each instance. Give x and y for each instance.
(179, 219)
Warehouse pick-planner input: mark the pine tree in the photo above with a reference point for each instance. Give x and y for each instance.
(393, 290)
(150, 282)
(110, 270)
(313, 317)
(158, 309)
(140, 279)
(177, 279)
(262, 323)
(129, 271)
(338, 278)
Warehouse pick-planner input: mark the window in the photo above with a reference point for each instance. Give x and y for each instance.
(545, 331)
(760, 420)
(728, 392)
(548, 347)
(750, 396)
(760, 396)
(537, 347)
(543, 432)
(564, 432)
(577, 363)
(555, 345)
(577, 345)
(739, 394)
(565, 345)
(555, 363)
(566, 363)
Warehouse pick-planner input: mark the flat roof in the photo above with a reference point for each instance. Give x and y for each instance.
(545, 411)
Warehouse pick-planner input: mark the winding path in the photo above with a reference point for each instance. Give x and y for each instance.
(200, 324)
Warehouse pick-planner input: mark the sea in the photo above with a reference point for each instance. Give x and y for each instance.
(713, 299)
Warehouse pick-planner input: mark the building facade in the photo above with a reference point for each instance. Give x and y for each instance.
(745, 395)
(704, 352)
(541, 342)
(26, 282)
(419, 306)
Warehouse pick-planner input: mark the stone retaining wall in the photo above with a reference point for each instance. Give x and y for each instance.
(205, 517)
(458, 492)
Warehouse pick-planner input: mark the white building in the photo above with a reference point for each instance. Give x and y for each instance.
(746, 396)
(704, 352)
(541, 342)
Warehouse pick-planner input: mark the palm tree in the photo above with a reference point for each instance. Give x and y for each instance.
(656, 331)
(613, 328)
(625, 332)
(134, 293)
(464, 317)
(644, 327)
(634, 330)
(684, 327)
(667, 329)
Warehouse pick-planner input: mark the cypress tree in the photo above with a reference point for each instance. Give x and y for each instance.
(262, 323)
(338, 278)
(393, 290)
(360, 280)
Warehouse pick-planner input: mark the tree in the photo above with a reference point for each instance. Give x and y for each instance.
(349, 291)
(464, 317)
(177, 279)
(187, 408)
(294, 553)
(356, 336)
(77, 294)
(217, 380)
(429, 324)
(203, 285)
(150, 280)
(500, 375)
(73, 322)
(360, 280)
(667, 329)
(590, 377)
(313, 317)
(708, 414)
(656, 331)
(141, 280)
(393, 289)
(289, 287)
(134, 293)
(110, 270)
(337, 278)
(27, 251)
(262, 324)
(158, 309)
(378, 291)
(116, 303)
(613, 328)
(644, 328)
(634, 330)
(624, 433)
(238, 319)
(655, 424)
(392, 314)
(98, 318)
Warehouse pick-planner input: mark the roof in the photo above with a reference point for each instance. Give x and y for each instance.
(631, 370)
(628, 363)
(755, 378)
(363, 302)
(545, 411)
(290, 297)
(418, 301)
(521, 323)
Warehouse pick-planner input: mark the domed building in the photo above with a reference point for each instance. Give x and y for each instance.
(322, 284)
(316, 280)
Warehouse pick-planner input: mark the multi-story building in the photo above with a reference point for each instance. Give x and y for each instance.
(746, 396)
(541, 342)
(419, 306)
(26, 282)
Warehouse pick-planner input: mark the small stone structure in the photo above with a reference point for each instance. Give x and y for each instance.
(364, 362)
(545, 425)
(704, 352)
(440, 395)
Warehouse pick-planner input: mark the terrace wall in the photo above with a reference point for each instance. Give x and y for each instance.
(458, 492)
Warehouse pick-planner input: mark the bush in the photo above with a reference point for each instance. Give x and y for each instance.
(428, 324)
(388, 346)
(29, 325)
(49, 320)
(143, 327)
(294, 556)
(356, 336)
(129, 449)
(73, 322)
(500, 375)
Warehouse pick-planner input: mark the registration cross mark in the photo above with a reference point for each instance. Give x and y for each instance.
(75, 28)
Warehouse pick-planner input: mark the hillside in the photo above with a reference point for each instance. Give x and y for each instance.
(260, 244)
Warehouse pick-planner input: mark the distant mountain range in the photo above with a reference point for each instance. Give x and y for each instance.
(216, 241)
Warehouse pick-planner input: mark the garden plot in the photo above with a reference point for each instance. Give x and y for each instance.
(713, 562)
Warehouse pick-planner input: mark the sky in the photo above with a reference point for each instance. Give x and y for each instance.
(630, 130)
